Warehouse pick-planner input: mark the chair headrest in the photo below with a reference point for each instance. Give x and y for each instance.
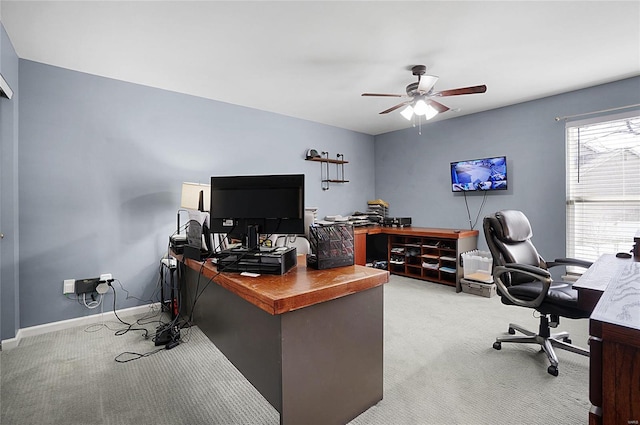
(513, 226)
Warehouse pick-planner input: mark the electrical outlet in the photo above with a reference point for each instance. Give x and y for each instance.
(69, 286)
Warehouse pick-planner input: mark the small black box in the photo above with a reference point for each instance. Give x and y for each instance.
(166, 334)
(397, 222)
(86, 286)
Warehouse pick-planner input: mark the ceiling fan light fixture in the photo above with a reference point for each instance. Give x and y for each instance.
(422, 96)
(407, 112)
(420, 108)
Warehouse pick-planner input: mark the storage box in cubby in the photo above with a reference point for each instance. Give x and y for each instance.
(331, 246)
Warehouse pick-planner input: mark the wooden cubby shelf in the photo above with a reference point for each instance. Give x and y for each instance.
(434, 258)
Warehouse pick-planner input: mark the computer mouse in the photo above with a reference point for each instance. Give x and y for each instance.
(623, 255)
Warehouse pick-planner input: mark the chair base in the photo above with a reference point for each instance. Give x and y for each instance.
(545, 339)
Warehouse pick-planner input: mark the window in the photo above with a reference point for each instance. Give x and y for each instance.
(603, 185)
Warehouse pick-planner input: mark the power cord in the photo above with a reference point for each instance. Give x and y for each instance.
(137, 355)
(93, 303)
(130, 325)
(484, 199)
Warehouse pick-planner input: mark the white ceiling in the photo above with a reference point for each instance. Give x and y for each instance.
(313, 59)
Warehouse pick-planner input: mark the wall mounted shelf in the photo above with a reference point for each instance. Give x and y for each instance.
(324, 171)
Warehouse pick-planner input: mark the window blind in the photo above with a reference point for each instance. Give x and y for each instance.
(603, 185)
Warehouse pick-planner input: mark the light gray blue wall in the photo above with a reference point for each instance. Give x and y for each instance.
(101, 166)
(101, 163)
(9, 307)
(412, 171)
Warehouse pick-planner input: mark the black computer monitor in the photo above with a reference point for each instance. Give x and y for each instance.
(252, 205)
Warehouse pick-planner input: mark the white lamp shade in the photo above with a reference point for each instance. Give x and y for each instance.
(420, 108)
(430, 112)
(407, 112)
(191, 196)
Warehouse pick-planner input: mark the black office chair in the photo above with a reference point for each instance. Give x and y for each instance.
(523, 279)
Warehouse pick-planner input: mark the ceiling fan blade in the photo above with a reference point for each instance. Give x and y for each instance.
(439, 106)
(383, 94)
(426, 83)
(393, 108)
(463, 90)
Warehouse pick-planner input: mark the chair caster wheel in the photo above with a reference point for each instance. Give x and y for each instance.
(512, 331)
(553, 370)
(567, 340)
(497, 345)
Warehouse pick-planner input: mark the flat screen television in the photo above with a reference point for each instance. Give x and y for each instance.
(479, 174)
(246, 206)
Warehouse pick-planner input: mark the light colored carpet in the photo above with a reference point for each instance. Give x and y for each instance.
(439, 368)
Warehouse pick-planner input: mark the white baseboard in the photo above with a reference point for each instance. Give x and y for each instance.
(8, 344)
(11, 343)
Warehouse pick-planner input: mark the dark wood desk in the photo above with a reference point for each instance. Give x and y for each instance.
(614, 328)
(310, 341)
(593, 282)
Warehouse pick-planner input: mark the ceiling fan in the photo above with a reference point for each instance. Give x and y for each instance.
(421, 96)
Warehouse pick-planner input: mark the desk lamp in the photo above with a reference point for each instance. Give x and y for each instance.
(195, 197)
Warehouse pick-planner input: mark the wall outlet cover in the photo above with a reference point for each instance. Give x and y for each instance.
(69, 286)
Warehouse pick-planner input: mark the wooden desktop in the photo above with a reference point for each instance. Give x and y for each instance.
(310, 341)
(612, 285)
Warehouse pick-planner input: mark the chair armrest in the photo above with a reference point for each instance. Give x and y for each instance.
(536, 273)
(569, 262)
(532, 270)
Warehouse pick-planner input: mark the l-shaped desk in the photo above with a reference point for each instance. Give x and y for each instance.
(310, 341)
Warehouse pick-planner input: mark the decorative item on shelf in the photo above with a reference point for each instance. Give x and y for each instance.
(312, 155)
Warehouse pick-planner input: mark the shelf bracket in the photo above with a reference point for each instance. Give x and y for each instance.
(325, 180)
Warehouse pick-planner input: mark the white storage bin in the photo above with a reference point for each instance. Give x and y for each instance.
(477, 265)
(487, 290)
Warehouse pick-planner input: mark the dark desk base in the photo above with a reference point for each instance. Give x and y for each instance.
(321, 364)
